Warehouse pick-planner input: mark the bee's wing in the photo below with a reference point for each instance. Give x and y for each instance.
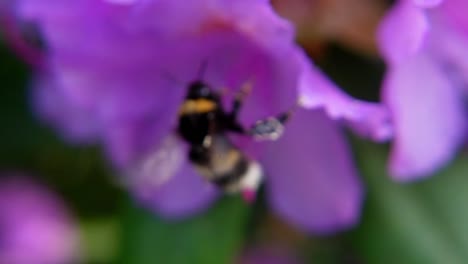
(158, 167)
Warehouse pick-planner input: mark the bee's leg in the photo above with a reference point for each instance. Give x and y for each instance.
(271, 128)
(237, 128)
(239, 98)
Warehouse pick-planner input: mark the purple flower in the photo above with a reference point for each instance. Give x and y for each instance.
(425, 44)
(34, 225)
(118, 72)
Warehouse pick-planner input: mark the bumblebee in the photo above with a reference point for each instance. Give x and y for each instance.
(204, 124)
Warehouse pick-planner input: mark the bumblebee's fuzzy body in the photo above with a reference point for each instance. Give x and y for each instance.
(203, 123)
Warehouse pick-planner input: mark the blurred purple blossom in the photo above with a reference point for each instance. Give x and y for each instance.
(117, 74)
(425, 44)
(34, 225)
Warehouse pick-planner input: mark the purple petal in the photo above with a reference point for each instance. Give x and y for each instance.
(96, 56)
(127, 141)
(455, 12)
(317, 91)
(428, 3)
(254, 18)
(185, 194)
(36, 226)
(122, 2)
(451, 45)
(310, 175)
(428, 117)
(167, 182)
(110, 72)
(76, 124)
(402, 32)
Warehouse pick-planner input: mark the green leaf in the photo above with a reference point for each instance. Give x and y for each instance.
(422, 222)
(211, 237)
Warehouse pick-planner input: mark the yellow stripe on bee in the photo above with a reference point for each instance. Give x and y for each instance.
(197, 106)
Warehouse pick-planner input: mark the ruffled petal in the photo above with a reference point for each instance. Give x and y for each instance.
(185, 194)
(168, 183)
(97, 57)
(454, 11)
(76, 125)
(428, 3)
(122, 2)
(310, 176)
(402, 32)
(117, 75)
(317, 91)
(428, 116)
(451, 45)
(127, 141)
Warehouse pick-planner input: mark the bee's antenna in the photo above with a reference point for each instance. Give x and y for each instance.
(202, 69)
(170, 77)
(284, 117)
